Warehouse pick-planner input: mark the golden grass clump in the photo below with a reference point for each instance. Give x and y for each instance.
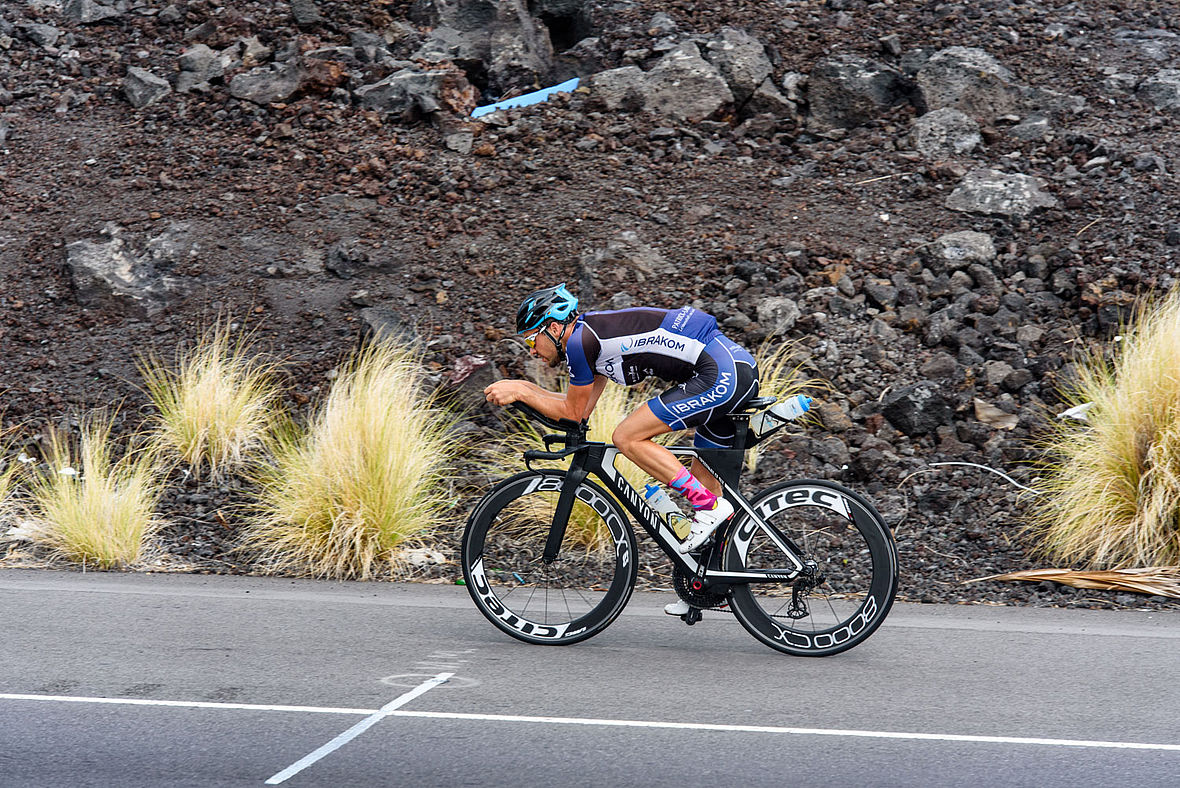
(1111, 486)
(10, 468)
(216, 403)
(86, 506)
(366, 475)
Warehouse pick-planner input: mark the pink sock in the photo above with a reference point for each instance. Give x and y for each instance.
(696, 493)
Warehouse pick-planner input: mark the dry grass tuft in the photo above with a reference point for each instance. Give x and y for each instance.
(215, 403)
(1111, 488)
(345, 494)
(1157, 580)
(10, 469)
(86, 506)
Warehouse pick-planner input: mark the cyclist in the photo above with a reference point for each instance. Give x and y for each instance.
(713, 377)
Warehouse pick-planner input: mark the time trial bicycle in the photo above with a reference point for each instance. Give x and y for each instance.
(549, 555)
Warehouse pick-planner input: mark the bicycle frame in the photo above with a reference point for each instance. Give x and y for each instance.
(597, 459)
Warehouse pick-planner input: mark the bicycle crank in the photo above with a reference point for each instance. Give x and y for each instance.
(693, 591)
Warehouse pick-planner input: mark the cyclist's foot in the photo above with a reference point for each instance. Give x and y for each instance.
(677, 608)
(704, 523)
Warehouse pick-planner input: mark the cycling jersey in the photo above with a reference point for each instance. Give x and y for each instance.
(628, 345)
(713, 374)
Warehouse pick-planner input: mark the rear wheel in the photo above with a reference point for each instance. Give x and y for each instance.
(849, 581)
(574, 597)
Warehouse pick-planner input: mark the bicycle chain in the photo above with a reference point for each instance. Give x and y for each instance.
(702, 599)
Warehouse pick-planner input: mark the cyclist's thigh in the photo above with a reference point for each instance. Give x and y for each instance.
(719, 432)
(725, 377)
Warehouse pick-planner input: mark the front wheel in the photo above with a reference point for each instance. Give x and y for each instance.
(574, 597)
(850, 578)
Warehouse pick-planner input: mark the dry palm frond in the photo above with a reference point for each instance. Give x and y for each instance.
(1158, 580)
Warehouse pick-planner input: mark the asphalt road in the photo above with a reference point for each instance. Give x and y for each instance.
(155, 680)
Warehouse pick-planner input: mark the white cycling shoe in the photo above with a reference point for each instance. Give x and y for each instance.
(704, 523)
(680, 608)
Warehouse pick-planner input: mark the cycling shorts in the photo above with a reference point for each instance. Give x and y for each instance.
(725, 378)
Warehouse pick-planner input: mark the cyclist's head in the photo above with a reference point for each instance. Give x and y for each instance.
(545, 305)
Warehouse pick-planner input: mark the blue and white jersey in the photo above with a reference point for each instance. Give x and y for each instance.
(628, 345)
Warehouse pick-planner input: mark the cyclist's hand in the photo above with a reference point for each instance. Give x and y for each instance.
(502, 392)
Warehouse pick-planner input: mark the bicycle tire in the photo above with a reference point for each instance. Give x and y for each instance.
(575, 597)
(854, 552)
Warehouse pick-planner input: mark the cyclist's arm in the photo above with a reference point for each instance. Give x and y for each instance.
(575, 403)
(597, 386)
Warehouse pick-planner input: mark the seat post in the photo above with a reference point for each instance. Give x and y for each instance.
(728, 462)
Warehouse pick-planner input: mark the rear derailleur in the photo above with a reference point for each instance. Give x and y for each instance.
(808, 579)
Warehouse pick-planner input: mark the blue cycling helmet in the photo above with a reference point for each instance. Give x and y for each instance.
(550, 303)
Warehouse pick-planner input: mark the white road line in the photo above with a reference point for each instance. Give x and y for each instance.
(193, 704)
(697, 726)
(391, 710)
(358, 729)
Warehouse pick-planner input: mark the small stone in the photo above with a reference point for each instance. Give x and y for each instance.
(959, 250)
(777, 315)
(849, 90)
(88, 12)
(460, 142)
(267, 84)
(305, 13)
(142, 87)
(1162, 90)
(992, 192)
(890, 44)
(918, 409)
(41, 35)
(1030, 129)
(170, 15)
(203, 30)
(945, 132)
(940, 365)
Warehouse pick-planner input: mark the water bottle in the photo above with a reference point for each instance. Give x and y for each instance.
(658, 499)
(789, 409)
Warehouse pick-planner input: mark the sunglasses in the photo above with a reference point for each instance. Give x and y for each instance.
(531, 340)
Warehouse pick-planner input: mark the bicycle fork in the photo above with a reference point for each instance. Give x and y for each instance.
(574, 477)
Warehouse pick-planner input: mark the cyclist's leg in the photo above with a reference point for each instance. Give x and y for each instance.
(633, 437)
(725, 379)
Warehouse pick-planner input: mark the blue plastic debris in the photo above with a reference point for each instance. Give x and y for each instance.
(536, 97)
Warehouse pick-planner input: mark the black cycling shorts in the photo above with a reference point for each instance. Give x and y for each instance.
(725, 378)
